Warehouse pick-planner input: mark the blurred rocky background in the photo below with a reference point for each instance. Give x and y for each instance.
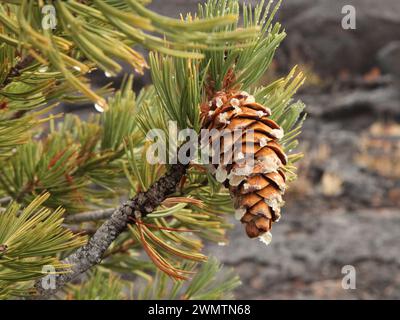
(345, 207)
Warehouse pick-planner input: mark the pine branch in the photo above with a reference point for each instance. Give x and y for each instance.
(92, 253)
(30, 238)
(104, 32)
(101, 285)
(93, 215)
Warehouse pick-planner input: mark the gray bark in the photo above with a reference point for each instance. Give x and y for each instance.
(91, 254)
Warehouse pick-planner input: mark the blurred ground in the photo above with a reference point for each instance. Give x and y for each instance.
(308, 251)
(345, 207)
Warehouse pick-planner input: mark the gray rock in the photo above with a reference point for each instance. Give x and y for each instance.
(353, 104)
(389, 58)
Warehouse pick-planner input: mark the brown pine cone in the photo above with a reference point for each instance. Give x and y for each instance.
(254, 174)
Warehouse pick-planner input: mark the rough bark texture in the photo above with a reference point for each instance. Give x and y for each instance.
(91, 254)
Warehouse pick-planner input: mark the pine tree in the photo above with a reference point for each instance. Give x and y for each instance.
(62, 178)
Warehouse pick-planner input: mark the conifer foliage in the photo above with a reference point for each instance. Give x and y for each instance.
(62, 178)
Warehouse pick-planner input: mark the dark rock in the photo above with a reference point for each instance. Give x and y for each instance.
(352, 105)
(389, 58)
(315, 34)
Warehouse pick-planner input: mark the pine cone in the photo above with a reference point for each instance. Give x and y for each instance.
(254, 174)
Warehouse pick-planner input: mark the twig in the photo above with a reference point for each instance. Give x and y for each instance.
(5, 200)
(16, 70)
(103, 214)
(92, 253)
(90, 216)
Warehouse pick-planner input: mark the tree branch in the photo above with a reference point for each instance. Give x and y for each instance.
(92, 253)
